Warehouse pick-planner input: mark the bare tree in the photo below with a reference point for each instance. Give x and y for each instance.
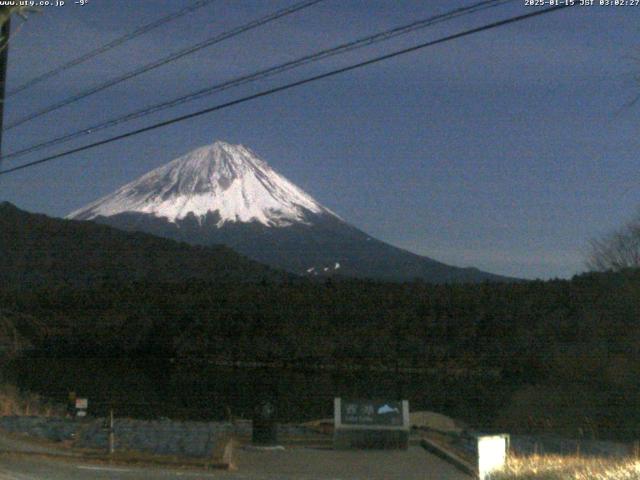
(617, 250)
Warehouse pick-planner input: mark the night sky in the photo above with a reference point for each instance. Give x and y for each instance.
(506, 150)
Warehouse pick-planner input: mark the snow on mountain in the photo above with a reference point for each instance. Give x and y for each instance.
(228, 179)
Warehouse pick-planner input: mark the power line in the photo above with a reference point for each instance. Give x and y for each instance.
(340, 49)
(164, 61)
(109, 46)
(288, 86)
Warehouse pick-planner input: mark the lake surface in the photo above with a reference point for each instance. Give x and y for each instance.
(154, 388)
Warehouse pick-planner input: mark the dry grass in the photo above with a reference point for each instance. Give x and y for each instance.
(556, 467)
(15, 402)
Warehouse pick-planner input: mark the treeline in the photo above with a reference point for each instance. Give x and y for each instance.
(516, 327)
(566, 347)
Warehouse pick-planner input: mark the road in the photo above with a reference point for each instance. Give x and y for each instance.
(15, 467)
(297, 463)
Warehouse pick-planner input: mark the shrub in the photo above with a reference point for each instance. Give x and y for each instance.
(556, 467)
(15, 402)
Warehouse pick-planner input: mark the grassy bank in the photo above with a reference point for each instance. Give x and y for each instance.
(556, 467)
(15, 402)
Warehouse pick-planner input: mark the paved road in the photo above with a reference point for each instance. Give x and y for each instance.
(14, 467)
(289, 465)
(297, 463)
(325, 464)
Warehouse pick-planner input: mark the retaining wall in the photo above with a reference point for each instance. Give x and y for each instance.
(161, 437)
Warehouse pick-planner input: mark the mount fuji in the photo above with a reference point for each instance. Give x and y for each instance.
(226, 194)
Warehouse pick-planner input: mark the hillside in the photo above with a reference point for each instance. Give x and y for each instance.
(36, 250)
(556, 356)
(563, 353)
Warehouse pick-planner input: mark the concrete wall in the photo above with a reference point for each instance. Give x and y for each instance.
(161, 437)
(50, 428)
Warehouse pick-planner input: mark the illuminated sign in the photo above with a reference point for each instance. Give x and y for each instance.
(492, 454)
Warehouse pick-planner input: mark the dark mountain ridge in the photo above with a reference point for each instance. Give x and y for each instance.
(36, 250)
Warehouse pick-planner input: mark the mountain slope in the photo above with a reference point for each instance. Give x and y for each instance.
(36, 250)
(225, 194)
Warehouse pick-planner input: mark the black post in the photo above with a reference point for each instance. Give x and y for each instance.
(265, 412)
(112, 434)
(4, 60)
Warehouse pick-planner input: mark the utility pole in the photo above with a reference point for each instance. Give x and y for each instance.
(4, 60)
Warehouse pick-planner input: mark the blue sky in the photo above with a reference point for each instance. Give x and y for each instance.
(507, 150)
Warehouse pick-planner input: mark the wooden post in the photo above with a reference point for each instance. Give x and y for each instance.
(223, 455)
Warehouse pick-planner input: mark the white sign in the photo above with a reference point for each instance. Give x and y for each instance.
(492, 454)
(82, 403)
(371, 414)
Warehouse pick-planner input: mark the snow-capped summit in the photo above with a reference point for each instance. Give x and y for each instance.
(221, 178)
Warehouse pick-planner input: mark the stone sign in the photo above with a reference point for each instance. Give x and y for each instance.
(371, 423)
